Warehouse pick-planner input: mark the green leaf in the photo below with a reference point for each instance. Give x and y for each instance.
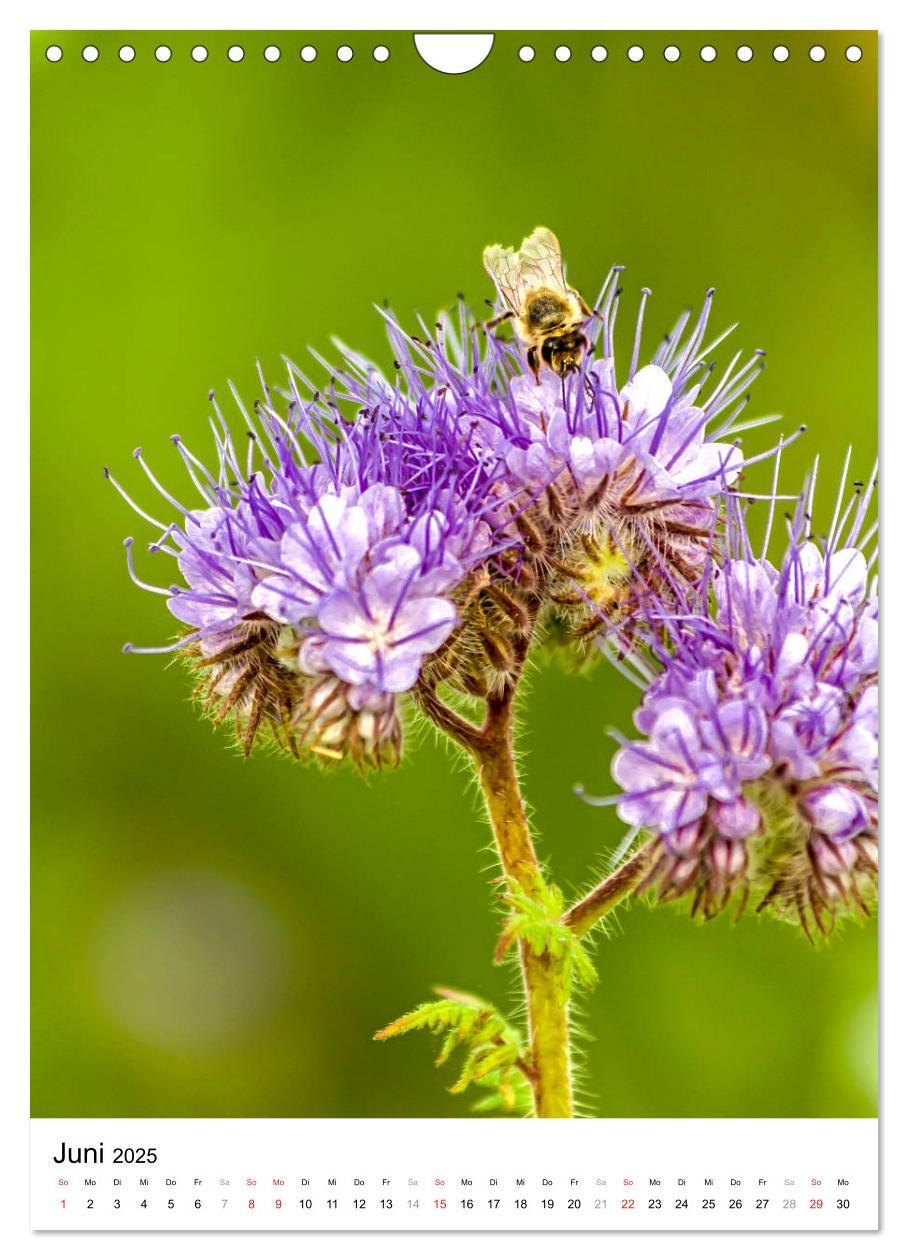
(495, 1056)
(536, 919)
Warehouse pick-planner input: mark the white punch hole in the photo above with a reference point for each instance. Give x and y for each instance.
(453, 54)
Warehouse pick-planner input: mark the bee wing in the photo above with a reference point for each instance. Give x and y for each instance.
(541, 264)
(503, 265)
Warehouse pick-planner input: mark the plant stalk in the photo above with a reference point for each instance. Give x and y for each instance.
(586, 913)
(543, 976)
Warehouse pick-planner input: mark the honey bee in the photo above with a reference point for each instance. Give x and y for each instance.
(547, 314)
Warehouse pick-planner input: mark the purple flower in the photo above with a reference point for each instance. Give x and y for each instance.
(758, 766)
(321, 550)
(590, 430)
(837, 811)
(686, 761)
(394, 533)
(608, 480)
(314, 593)
(625, 470)
(382, 634)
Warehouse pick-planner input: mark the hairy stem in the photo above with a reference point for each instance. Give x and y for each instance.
(543, 976)
(446, 719)
(587, 912)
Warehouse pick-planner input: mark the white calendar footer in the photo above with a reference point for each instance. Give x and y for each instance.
(453, 1174)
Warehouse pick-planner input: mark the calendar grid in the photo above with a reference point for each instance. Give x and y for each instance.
(605, 1175)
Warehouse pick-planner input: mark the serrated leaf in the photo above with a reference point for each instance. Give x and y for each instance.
(494, 1052)
(536, 919)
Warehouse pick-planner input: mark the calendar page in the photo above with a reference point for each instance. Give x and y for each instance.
(455, 621)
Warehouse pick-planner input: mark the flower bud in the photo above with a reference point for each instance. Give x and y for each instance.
(737, 820)
(836, 810)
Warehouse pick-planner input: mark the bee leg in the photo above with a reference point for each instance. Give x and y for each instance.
(533, 363)
(489, 324)
(583, 306)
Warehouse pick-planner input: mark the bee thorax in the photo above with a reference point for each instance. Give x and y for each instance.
(547, 312)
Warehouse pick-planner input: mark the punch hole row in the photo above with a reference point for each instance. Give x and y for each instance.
(199, 53)
(708, 53)
(526, 53)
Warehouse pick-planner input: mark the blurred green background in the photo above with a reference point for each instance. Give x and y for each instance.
(220, 938)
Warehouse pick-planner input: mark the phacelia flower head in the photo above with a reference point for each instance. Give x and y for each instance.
(392, 533)
(321, 572)
(610, 478)
(757, 770)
